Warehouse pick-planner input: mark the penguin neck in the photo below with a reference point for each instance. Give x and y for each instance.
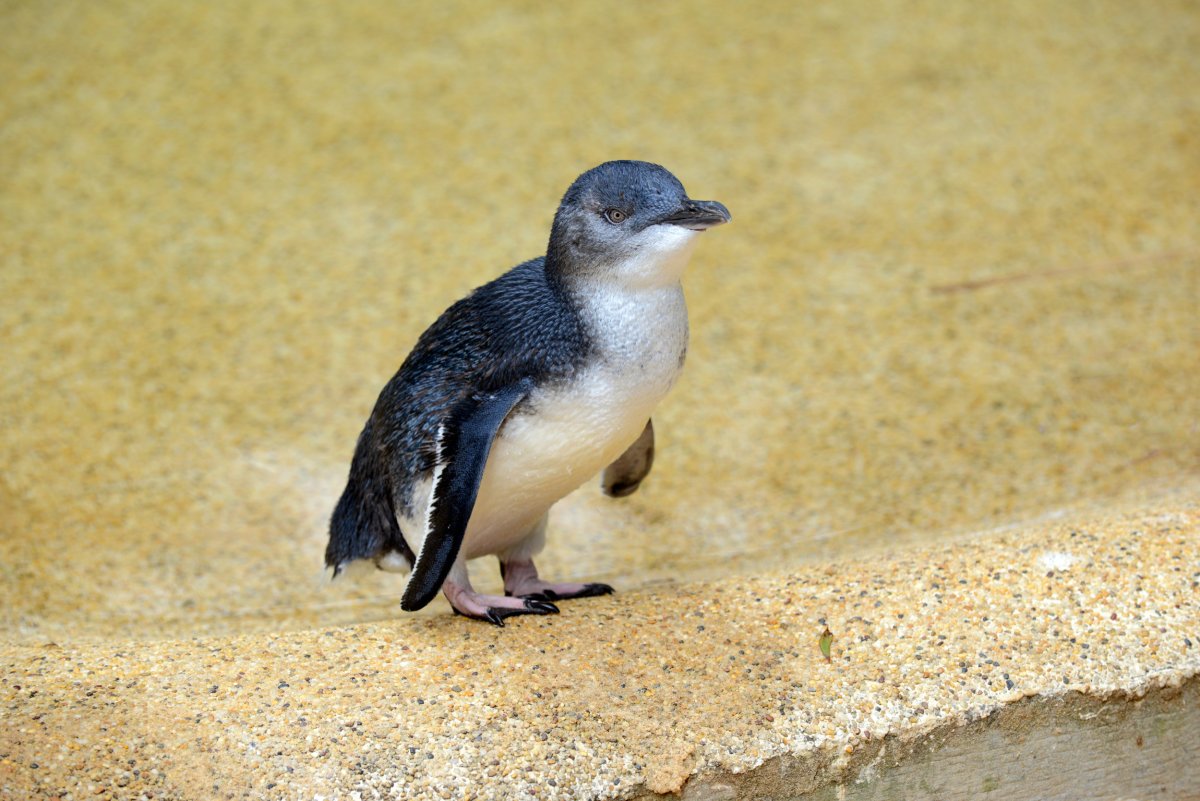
(655, 261)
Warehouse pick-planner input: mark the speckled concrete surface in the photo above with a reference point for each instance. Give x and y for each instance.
(960, 293)
(625, 694)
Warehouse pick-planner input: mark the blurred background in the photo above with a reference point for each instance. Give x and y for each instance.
(960, 289)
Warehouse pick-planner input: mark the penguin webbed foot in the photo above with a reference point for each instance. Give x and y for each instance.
(494, 609)
(521, 581)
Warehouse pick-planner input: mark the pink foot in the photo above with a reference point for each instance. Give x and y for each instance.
(493, 608)
(521, 581)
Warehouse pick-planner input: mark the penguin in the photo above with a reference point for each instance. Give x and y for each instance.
(522, 391)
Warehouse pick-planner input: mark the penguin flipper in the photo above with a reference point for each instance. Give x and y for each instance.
(623, 476)
(465, 440)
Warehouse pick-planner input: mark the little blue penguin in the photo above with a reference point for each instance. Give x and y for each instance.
(522, 391)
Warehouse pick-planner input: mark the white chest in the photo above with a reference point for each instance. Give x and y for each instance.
(572, 431)
(640, 339)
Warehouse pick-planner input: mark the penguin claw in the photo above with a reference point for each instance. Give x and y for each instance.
(541, 606)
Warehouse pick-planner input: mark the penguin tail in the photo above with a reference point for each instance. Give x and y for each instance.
(363, 525)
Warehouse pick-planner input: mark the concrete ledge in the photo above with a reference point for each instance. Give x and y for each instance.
(1122, 745)
(1026, 649)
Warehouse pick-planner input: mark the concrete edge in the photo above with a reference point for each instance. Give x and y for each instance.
(866, 767)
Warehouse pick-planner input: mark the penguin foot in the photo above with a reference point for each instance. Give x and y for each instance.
(565, 592)
(494, 608)
(521, 581)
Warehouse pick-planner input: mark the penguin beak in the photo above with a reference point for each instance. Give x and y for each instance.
(698, 215)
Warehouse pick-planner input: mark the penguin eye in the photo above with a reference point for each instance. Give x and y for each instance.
(615, 216)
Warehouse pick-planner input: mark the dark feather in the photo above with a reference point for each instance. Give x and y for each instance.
(522, 325)
(466, 441)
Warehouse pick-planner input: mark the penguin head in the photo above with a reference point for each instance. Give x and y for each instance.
(631, 221)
